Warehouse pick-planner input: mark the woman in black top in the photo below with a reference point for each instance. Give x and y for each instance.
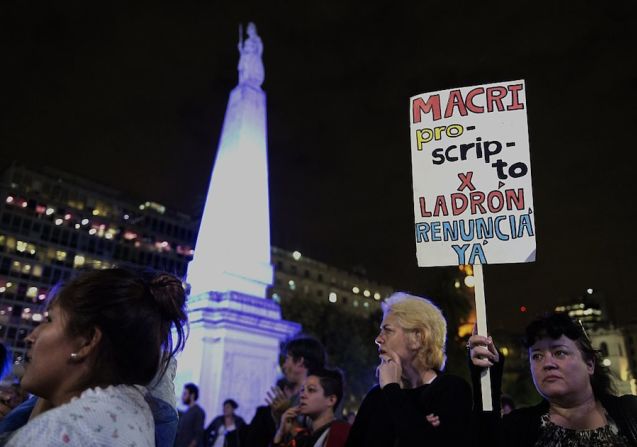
(579, 409)
(414, 403)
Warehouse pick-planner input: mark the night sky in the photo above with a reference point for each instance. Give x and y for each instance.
(134, 97)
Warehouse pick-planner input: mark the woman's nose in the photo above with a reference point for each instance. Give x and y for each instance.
(548, 362)
(31, 336)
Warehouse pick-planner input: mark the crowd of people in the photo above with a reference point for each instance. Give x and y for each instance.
(100, 371)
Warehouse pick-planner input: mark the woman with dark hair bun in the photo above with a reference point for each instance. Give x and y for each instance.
(107, 334)
(579, 406)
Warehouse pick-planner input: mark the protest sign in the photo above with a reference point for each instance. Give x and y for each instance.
(473, 201)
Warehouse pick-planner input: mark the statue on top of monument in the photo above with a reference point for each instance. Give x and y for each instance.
(251, 70)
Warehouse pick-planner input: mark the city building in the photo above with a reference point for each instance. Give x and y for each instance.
(611, 344)
(52, 223)
(590, 309)
(298, 277)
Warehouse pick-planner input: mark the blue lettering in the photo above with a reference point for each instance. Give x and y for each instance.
(466, 235)
(484, 230)
(450, 230)
(477, 252)
(525, 222)
(435, 231)
(460, 252)
(499, 234)
(422, 229)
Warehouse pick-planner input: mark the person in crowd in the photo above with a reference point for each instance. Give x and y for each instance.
(190, 431)
(320, 396)
(579, 407)
(159, 394)
(507, 405)
(261, 430)
(106, 333)
(301, 354)
(415, 404)
(224, 430)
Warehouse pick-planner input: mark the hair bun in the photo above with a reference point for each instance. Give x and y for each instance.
(170, 297)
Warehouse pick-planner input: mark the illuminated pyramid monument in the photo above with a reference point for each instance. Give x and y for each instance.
(235, 332)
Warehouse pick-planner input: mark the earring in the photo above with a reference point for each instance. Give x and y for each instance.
(74, 355)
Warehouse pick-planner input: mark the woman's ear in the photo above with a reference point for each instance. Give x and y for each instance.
(590, 365)
(416, 340)
(88, 345)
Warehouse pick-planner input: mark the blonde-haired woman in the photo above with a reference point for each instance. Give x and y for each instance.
(415, 404)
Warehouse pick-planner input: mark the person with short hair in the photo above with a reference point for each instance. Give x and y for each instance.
(224, 430)
(320, 396)
(579, 408)
(300, 355)
(190, 431)
(415, 404)
(106, 333)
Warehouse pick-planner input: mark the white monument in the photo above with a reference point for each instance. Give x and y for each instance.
(235, 332)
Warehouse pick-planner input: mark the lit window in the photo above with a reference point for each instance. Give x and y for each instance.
(67, 216)
(470, 281)
(36, 317)
(84, 221)
(26, 268)
(60, 255)
(92, 231)
(21, 246)
(606, 362)
(296, 255)
(333, 298)
(376, 296)
(367, 293)
(355, 303)
(292, 285)
(49, 211)
(32, 292)
(457, 284)
(77, 226)
(37, 270)
(9, 199)
(276, 298)
(95, 213)
(126, 217)
(16, 266)
(3, 289)
(58, 221)
(366, 304)
(78, 261)
(355, 289)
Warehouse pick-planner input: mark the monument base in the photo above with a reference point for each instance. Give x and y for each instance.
(232, 350)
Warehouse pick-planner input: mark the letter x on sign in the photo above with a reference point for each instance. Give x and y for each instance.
(466, 181)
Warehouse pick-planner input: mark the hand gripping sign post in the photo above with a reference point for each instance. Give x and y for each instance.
(473, 201)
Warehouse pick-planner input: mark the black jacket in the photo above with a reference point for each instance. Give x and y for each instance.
(217, 424)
